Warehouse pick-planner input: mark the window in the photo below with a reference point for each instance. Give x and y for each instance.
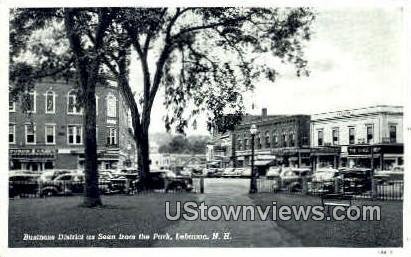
(393, 134)
(50, 134)
(284, 140)
(275, 140)
(12, 106)
(12, 133)
(29, 101)
(112, 136)
(351, 136)
(111, 106)
(292, 140)
(30, 134)
(72, 107)
(335, 134)
(97, 104)
(320, 137)
(245, 143)
(370, 134)
(267, 140)
(74, 134)
(50, 102)
(258, 138)
(239, 144)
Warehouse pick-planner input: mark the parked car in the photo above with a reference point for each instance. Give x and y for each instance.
(323, 181)
(387, 176)
(273, 172)
(68, 184)
(214, 172)
(232, 172)
(291, 179)
(355, 180)
(23, 184)
(168, 180)
(246, 172)
(49, 175)
(125, 183)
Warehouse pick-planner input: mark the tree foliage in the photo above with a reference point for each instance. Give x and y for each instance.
(185, 145)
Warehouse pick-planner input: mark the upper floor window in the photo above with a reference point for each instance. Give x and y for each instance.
(245, 143)
(335, 135)
(239, 144)
(258, 139)
(393, 134)
(284, 140)
(111, 106)
(74, 135)
(292, 140)
(12, 133)
(97, 98)
(267, 140)
(50, 102)
(320, 137)
(275, 140)
(112, 136)
(370, 134)
(29, 102)
(50, 134)
(12, 106)
(30, 134)
(351, 136)
(72, 105)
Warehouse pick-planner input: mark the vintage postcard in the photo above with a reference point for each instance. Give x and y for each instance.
(243, 126)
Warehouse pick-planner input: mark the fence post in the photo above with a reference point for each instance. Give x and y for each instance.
(305, 186)
(201, 185)
(373, 189)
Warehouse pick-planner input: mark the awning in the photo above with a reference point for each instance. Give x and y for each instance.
(262, 163)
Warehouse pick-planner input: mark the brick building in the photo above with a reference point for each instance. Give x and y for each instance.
(50, 134)
(281, 140)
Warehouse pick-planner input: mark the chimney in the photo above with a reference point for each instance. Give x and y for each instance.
(263, 113)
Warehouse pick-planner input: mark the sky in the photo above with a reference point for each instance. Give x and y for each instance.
(356, 60)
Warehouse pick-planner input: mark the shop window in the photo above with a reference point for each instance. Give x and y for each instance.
(351, 136)
(393, 134)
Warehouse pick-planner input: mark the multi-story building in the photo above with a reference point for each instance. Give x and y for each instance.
(367, 137)
(281, 140)
(219, 150)
(50, 134)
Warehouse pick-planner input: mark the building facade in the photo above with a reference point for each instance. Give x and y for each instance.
(366, 137)
(281, 140)
(50, 134)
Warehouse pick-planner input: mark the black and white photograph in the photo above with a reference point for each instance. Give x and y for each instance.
(244, 126)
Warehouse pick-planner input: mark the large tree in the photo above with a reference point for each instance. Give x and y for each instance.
(32, 60)
(206, 58)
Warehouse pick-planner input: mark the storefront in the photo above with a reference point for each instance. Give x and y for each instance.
(378, 156)
(324, 157)
(31, 159)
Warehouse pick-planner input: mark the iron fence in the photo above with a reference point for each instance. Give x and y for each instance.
(373, 189)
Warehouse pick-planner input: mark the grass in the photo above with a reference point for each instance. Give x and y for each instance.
(384, 233)
(120, 214)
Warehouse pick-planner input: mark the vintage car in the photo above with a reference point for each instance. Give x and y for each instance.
(323, 181)
(167, 180)
(23, 185)
(68, 184)
(232, 172)
(291, 179)
(355, 180)
(386, 176)
(273, 172)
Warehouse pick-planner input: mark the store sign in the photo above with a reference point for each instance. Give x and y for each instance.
(364, 150)
(30, 151)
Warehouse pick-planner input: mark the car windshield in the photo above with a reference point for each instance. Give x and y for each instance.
(398, 169)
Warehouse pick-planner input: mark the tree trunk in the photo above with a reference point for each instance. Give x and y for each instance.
(92, 192)
(143, 147)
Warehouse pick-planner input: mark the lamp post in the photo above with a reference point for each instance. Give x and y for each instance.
(253, 181)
